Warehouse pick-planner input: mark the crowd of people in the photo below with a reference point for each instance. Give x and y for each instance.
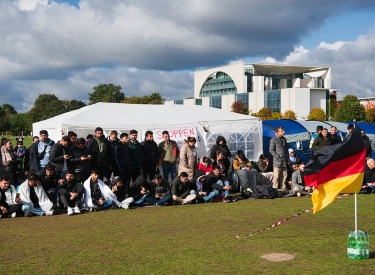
(99, 172)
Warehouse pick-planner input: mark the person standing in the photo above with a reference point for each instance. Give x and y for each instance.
(169, 152)
(150, 155)
(123, 161)
(9, 161)
(322, 140)
(136, 154)
(334, 137)
(101, 154)
(59, 156)
(80, 160)
(39, 152)
(279, 150)
(113, 141)
(188, 158)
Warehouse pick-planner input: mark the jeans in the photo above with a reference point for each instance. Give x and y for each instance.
(165, 199)
(106, 204)
(217, 192)
(31, 209)
(169, 168)
(139, 201)
(200, 198)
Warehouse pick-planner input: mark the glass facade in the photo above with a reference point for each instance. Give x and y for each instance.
(218, 84)
(198, 102)
(249, 73)
(243, 97)
(179, 102)
(215, 102)
(272, 100)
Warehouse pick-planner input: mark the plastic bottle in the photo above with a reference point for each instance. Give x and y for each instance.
(358, 245)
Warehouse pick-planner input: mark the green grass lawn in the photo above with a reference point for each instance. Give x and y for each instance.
(26, 141)
(189, 239)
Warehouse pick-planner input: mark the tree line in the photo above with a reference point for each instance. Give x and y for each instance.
(49, 105)
(342, 111)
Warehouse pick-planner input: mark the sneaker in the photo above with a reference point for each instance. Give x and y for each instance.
(48, 213)
(76, 210)
(70, 211)
(234, 199)
(298, 194)
(27, 214)
(227, 199)
(13, 215)
(125, 206)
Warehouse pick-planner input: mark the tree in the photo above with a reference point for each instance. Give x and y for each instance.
(289, 114)
(9, 109)
(4, 120)
(350, 108)
(71, 105)
(317, 114)
(239, 107)
(154, 98)
(106, 93)
(264, 113)
(276, 115)
(19, 123)
(370, 115)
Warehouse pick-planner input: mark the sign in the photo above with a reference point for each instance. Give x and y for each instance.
(177, 134)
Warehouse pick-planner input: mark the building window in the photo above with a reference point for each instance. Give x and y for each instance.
(215, 102)
(272, 100)
(198, 102)
(218, 83)
(243, 97)
(179, 102)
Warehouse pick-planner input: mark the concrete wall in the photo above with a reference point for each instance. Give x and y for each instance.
(318, 99)
(227, 101)
(297, 100)
(235, 71)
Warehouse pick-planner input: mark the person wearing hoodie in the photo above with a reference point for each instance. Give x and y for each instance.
(221, 146)
(188, 157)
(181, 189)
(10, 203)
(150, 155)
(97, 193)
(118, 194)
(71, 193)
(199, 187)
(160, 191)
(219, 184)
(205, 165)
(101, 154)
(139, 191)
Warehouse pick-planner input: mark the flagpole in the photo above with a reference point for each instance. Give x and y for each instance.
(355, 212)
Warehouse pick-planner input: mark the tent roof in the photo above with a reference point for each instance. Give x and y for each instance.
(341, 126)
(113, 114)
(310, 125)
(369, 128)
(291, 127)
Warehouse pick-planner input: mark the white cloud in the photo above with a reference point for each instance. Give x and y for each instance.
(334, 46)
(29, 5)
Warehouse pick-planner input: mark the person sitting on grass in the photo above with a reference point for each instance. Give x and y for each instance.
(205, 165)
(71, 193)
(9, 202)
(220, 161)
(139, 191)
(241, 162)
(160, 191)
(181, 189)
(265, 169)
(33, 198)
(200, 187)
(118, 194)
(97, 193)
(50, 182)
(219, 184)
(298, 182)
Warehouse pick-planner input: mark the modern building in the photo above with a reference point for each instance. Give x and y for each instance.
(368, 102)
(275, 86)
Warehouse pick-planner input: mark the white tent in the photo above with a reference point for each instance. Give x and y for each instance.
(241, 132)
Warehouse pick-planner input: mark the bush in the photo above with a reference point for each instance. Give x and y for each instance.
(317, 114)
(276, 115)
(265, 113)
(289, 114)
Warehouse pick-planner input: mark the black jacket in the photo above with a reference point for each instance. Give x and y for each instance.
(369, 175)
(48, 182)
(368, 146)
(79, 166)
(163, 188)
(56, 156)
(180, 189)
(122, 155)
(150, 153)
(100, 159)
(73, 186)
(335, 139)
(212, 181)
(320, 142)
(135, 188)
(205, 186)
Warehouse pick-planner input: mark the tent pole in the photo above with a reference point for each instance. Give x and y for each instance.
(355, 212)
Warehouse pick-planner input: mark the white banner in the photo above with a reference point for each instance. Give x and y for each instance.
(177, 134)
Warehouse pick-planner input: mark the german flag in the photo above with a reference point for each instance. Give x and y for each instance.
(336, 169)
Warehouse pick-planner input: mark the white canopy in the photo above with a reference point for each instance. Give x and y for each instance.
(242, 132)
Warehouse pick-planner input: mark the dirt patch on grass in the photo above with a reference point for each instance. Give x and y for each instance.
(278, 257)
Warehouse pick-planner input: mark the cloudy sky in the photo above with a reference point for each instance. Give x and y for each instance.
(67, 47)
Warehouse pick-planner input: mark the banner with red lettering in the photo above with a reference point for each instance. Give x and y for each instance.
(177, 134)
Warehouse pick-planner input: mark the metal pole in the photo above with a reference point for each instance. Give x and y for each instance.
(355, 212)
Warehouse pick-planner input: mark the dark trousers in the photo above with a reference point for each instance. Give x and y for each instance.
(125, 175)
(82, 177)
(13, 208)
(65, 199)
(13, 178)
(135, 172)
(149, 171)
